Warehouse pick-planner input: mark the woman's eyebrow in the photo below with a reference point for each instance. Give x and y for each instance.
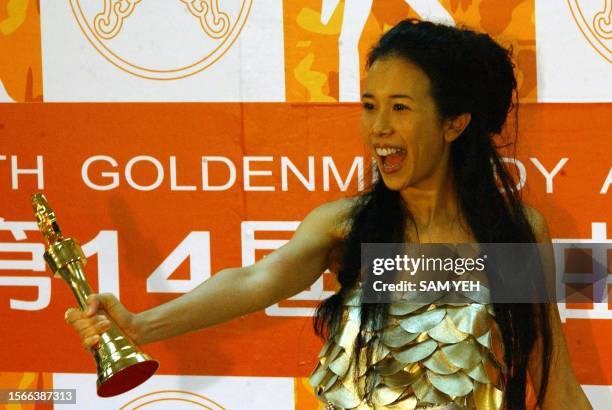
(368, 95)
(401, 96)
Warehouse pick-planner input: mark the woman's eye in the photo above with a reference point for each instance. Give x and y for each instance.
(399, 107)
(367, 106)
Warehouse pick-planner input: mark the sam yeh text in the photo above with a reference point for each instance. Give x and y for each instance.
(428, 286)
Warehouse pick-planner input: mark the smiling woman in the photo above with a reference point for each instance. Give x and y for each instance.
(434, 100)
(398, 100)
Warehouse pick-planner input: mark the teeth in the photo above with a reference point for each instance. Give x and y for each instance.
(387, 151)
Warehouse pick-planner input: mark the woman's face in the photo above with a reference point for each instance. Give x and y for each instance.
(400, 123)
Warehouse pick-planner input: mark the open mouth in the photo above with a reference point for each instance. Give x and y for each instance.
(390, 158)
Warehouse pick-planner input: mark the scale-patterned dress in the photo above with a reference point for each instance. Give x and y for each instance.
(434, 355)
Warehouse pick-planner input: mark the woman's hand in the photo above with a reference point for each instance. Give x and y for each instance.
(94, 320)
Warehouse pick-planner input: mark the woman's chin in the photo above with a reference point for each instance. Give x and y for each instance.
(393, 184)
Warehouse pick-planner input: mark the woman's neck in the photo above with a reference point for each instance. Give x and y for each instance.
(433, 201)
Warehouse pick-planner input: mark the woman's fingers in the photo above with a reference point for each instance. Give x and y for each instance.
(94, 320)
(88, 327)
(81, 320)
(90, 342)
(71, 315)
(93, 303)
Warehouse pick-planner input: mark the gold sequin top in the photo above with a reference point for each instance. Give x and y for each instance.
(430, 355)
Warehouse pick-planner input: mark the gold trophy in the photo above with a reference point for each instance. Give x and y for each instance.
(121, 364)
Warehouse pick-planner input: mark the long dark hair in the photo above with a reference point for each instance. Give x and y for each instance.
(469, 72)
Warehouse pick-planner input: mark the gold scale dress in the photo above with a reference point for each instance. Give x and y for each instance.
(431, 355)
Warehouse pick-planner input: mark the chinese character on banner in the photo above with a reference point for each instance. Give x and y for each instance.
(250, 245)
(596, 280)
(36, 263)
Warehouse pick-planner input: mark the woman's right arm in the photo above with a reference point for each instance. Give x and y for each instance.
(229, 293)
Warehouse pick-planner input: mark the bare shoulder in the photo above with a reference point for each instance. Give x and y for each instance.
(335, 215)
(538, 223)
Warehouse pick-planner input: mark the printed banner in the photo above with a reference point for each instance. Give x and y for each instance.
(255, 123)
(162, 196)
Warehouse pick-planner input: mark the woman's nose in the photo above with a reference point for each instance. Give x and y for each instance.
(382, 125)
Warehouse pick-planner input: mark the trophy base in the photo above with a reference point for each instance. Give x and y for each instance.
(127, 378)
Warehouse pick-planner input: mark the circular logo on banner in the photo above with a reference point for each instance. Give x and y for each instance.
(594, 18)
(171, 399)
(161, 40)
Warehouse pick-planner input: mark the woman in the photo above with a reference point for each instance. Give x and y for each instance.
(434, 97)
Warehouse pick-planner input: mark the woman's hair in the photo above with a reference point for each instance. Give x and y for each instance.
(469, 73)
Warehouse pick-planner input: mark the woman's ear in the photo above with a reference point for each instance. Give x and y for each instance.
(455, 126)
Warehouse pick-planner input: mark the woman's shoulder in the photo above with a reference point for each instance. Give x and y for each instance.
(339, 213)
(538, 223)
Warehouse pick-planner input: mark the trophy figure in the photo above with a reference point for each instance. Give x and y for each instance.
(121, 364)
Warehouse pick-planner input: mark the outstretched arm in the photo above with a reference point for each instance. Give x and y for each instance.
(237, 291)
(230, 292)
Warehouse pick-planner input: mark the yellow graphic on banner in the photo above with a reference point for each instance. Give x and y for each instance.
(172, 399)
(195, 34)
(20, 65)
(108, 23)
(214, 22)
(326, 41)
(602, 23)
(304, 395)
(594, 19)
(26, 381)
(16, 14)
